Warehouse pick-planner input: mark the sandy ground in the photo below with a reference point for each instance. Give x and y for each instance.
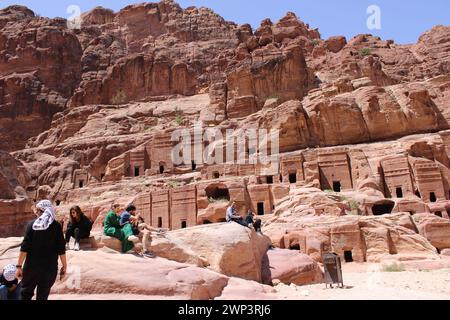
(367, 282)
(422, 280)
(361, 281)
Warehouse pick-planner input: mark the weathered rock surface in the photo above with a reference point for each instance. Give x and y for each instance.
(363, 126)
(291, 266)
(227, 248)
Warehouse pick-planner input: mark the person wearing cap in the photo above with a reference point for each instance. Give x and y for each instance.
(10, 287)
(42, 244)
(139, 227)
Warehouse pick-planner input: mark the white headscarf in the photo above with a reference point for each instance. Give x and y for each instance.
(9, 272)
(47, 218)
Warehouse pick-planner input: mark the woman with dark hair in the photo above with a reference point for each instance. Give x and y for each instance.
(79, 227)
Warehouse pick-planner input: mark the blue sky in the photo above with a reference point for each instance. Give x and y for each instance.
(401, 20)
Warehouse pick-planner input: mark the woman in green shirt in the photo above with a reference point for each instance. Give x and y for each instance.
(112, 228)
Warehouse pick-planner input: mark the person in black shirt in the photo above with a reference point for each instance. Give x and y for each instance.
(79, 227)
(10, 287)
(42, 244)
(250, 221)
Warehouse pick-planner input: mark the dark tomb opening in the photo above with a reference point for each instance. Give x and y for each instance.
(260, 208)
(292, 178)
(383, 208)
(336, 186)
(348, 256)
(433, 197)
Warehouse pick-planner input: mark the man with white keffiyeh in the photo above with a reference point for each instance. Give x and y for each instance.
(42, 244)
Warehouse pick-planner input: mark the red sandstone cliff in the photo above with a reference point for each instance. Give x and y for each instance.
(87, 115)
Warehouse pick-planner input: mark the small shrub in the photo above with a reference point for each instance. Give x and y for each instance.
(354, 205)
(214, 200)
(179, 119)
(273, 96)
(172, 184)
(119, 98)
(315, 42)
(393, 267)
(392, 95)
(365, 52)
(328, 191)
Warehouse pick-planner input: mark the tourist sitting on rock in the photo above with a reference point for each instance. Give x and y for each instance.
(10, 287)
(251, 221)
(41, 246)
(139, 227)
(232, 215)
(112, 228)
(79, 227)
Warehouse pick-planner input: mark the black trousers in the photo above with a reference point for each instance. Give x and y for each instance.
(240, 221)
(76, 233)
(257, 225)
(40, 277)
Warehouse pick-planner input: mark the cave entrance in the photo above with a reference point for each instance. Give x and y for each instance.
(433, 197)
(193, 165)
(219, 192)
(294, 246)
(382, 208)
(216, 175)
(438, 213)
(260, 208)
(159, 222)
(81, 184)
(348, 256)
(399, 192)
(292, 178)
(269, 179)
(137, 171)
(183, 224)
(336, 186)
(161, 169)
(206, 222)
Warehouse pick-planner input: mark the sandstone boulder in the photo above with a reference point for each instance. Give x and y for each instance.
(102, 272)
(291, 266)
(227, 248)
(436, 230)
